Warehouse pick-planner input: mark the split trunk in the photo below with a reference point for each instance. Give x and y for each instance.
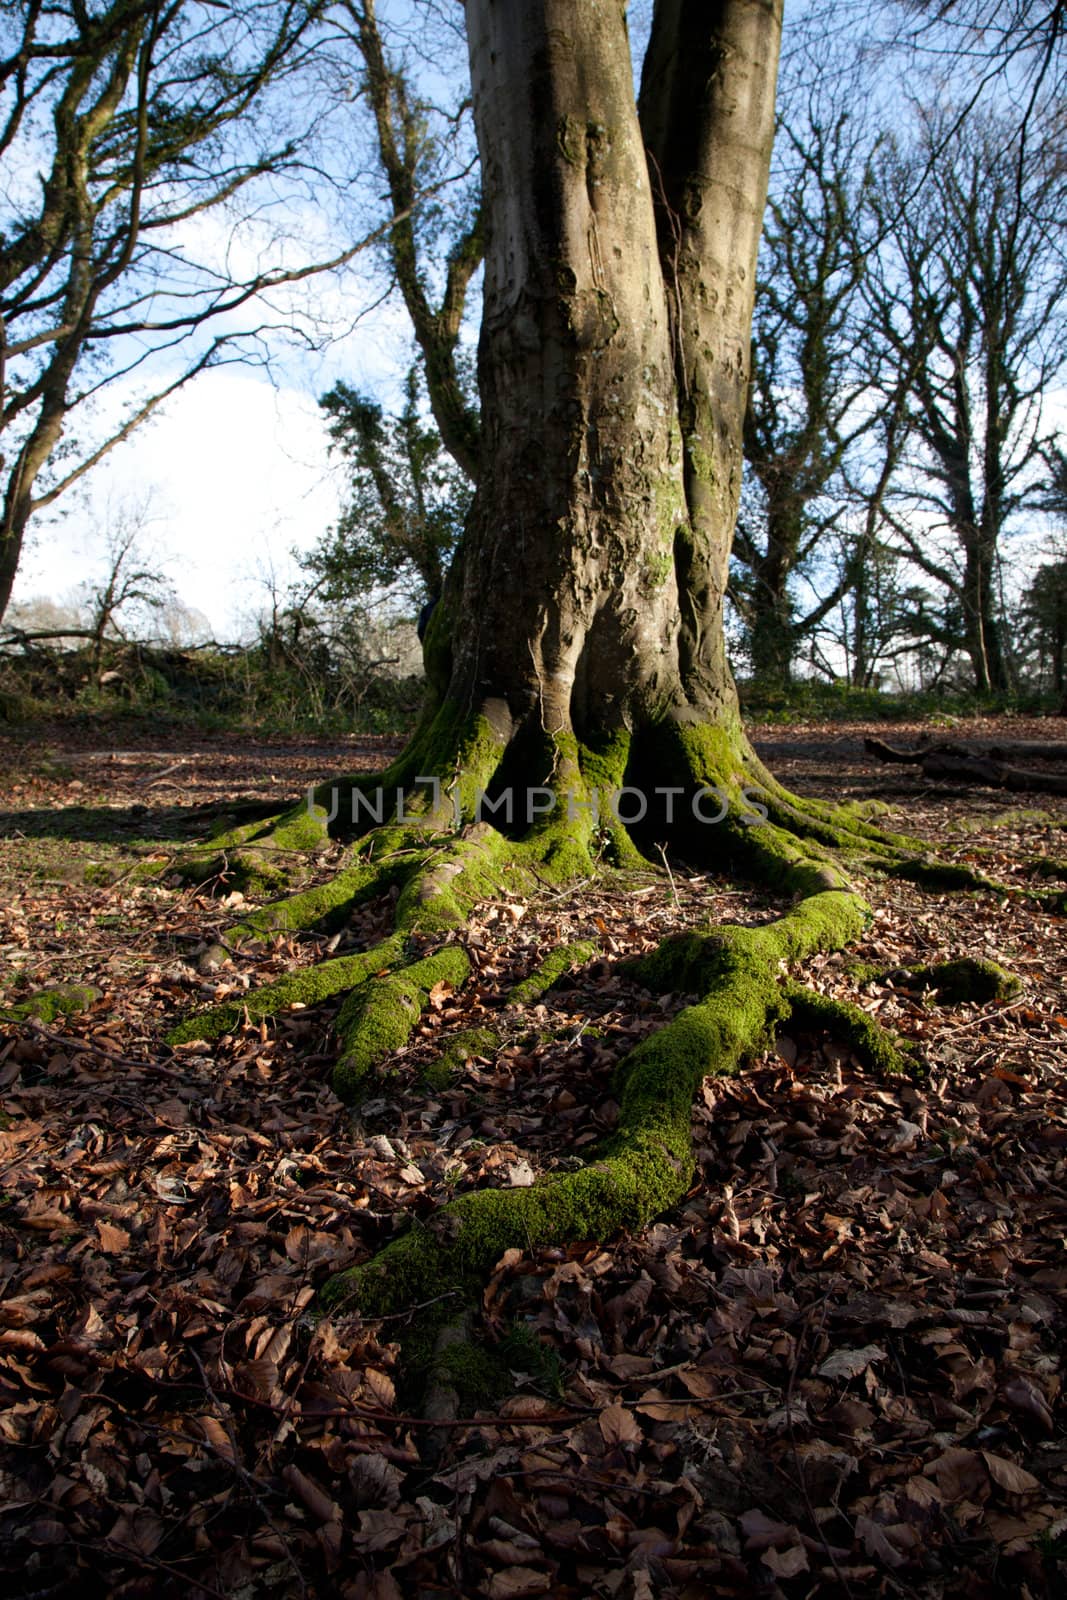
(621, 244)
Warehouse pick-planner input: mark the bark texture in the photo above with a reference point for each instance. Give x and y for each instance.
(613, 361)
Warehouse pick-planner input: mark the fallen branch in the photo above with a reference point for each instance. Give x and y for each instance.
(960, 763)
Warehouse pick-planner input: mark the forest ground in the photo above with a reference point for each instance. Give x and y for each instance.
(835, 1368)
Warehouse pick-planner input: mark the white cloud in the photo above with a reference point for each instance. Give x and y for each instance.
(236, 472)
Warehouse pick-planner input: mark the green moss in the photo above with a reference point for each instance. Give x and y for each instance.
(763, 832)
(305, 988)
(521, 1351)
(259, 858)
(1047, 867)
(563, 959)
(970, 978)
(457, 1247)
(483, 1373)
(864, 971)
(47, 1005)
(847, 1023)
(460, 1048)
(378, 1018)
(326, 907)
(300, 830)
(695, 962)
(659, 564)
(478, 865)
(647, 1165)
(944, 875)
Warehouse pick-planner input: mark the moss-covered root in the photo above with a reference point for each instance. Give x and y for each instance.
(307, 987)
(324, 908)
(648, 1163)
(259, 858)
(563, 959)
(378, 1018)
(47, 1005)
(867, 1039)
(954, 982)
(947, 876)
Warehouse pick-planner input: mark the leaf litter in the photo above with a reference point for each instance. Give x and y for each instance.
(834, 1369)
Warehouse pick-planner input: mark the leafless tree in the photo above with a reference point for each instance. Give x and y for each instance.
(180, 145)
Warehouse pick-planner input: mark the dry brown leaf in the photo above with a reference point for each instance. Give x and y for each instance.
(787, 1562)
(618, 1426)
(217, 1437)
(312, 1495)
(515, 1582)
(1006, 1475)
(850, 1363)
(112, 1240)
(883, 1543)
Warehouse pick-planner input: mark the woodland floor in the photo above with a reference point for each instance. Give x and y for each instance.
(834, 1369)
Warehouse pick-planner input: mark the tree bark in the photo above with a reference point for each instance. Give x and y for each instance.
(613, 361)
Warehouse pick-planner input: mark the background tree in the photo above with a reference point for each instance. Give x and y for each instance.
(1045, 608)
(1045, 597)
(406, 501)
(131, 586)
(966, 306)
(419, 149)
(173, 140)
(806, 417)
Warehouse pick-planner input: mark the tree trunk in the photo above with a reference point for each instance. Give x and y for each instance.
(981, 633)
(773, 636)
(613, 362)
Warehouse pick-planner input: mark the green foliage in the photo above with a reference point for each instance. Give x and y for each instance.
(405, 508)
(839, 701)
(1045, 610)
(287, 681)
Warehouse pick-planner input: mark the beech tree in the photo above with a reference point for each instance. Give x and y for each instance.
(580, 703)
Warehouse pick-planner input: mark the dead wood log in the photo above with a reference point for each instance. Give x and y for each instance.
(986, 766)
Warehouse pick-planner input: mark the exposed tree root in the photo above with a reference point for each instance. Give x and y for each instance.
(261, 858)
(699, 786)
(305, 988)
(968, 979)
(379, 1016)
(57, 1000)
(930, 873)
(325, 907)
(874, 1045)
(647, 1164)
(564, 958)
(460, 1048)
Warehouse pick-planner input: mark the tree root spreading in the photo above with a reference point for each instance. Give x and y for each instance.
(647, 1165)
(379, 1016)
(799, 847)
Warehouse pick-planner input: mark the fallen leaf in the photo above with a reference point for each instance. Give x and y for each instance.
(850, 1363)
(1006, 1475)
(619, 1426)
